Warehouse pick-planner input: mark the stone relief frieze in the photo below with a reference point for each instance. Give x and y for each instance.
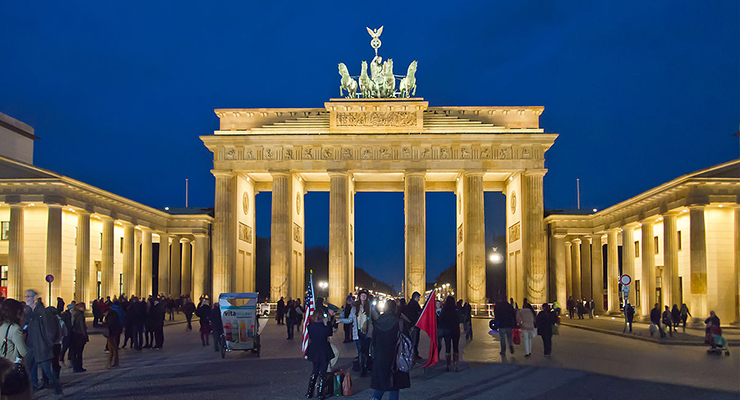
(459, 234)
(445, 153)
(504, 153)
(465, 153)
(307, 154)
(268, 154)
(515, 232)
(230, 154)
(288, 153)
(328, 154)
(367, 154)
(297, 233)
(245, 233)
(249, 154)
(376, 118)
(346, 154)
(526, 153)
(426, 153)
(485, 152)
(405, 152)
(385, 153)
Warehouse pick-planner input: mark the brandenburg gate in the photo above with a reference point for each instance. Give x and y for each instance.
(384, 141)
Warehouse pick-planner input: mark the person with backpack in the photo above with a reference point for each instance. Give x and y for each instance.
(42, 332)
(387, 374)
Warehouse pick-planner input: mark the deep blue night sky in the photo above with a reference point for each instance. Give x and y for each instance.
(640, 92)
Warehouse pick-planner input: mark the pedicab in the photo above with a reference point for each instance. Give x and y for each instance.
(240, 322)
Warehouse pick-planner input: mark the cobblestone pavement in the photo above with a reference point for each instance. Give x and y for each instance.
(584, 365)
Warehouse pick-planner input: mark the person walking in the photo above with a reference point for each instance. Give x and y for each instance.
(217, 327)
(204, 313)
(667, 320)
(280, 311)
(319, 353)
(544, 323)
(57, 345)
(685, 314)
(655, 320)
(629, 316)
(113, 328)
(449, 322)
(360, 319)
(290, 318)
(42, 332)
(149, 324)
(413, 312)
(525, 319)
(158, 314)
(188, 309)
(505, 318)
(67, 323)
(79, 337)
(385, 377)
(591, 308)
(676, 316)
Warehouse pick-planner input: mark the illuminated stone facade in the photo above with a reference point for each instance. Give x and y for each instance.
(354, 145)
(680, 243)
(92, 241)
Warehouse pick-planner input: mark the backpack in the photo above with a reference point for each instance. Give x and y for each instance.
(404, 354)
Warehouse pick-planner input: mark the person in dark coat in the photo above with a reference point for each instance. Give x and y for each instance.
(345, 314)
(149, 324)
(96, 313)
(158, 313)
(137, 309)
(676, 314)
(318, 352)
(204, 313)
(544, 323)
(449, 321)
(655, 319)
(112, 324)
(505, 317)
(413, 312)
(66, 342)
(43, 331)
(629, 315)
(79, 337)
(280, 311)
(188, 309)
(385, 336)
(216, 325)
(667, 320)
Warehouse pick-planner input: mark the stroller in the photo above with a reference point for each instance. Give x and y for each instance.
(714, 339)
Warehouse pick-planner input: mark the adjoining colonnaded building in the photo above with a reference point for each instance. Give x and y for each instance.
(679, 242)
(93, 242)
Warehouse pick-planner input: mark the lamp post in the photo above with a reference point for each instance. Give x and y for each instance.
(496, 258)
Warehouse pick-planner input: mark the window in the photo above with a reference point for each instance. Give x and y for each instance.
(679, 240)
(100, 243)
(637, 248)
(120, 247)
(75, 236)
(657, 245)
(5, 230)
(637, 293)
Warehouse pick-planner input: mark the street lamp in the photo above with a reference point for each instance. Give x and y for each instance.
(323, 284)
(496, 258)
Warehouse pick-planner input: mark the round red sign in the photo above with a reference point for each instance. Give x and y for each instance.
(50, 278)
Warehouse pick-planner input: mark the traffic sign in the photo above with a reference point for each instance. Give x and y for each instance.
(625, 280)
(626, 289)
(50, 278)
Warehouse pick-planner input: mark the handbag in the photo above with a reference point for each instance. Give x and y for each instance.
(347, 384)
(516, 336)
(17, 380)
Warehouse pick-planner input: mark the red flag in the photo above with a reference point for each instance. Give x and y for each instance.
(428, 323)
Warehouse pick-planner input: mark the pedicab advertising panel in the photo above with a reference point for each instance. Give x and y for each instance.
(240, 322)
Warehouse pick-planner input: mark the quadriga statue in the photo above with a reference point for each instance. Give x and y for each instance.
(347, 83)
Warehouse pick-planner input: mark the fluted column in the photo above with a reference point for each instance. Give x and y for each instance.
(475, 237)
(586, 288)
(83, 292)
(200, 263)
(698, 246)
(612, 270)
(533, 237)
(568, 269)
(163, 273)
(737, 264)
(576, 263)
(628, 262)
(560, 272)
(415, 212)
(15, 252)
(224, 234)
(339, 262)
(648, 266)
(128, 259)
(187, 285)
(54, 250)
(671, 290)
(146, 263)
(137, 263)
(281, 236)
(107, 283)
(175, 267)
(597, 273)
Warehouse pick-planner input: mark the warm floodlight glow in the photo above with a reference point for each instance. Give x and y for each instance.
(167, 208)
(721, 205)
(595, 210)
(496, 258)
(31, 205)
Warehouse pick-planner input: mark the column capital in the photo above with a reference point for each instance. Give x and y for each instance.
(222, 173)
(697, 207)
(415, 172)
(534, 172)
(338, 172)
(280, 173)
(576, 240)
(54, 205)
(559, 235)
(473, 173)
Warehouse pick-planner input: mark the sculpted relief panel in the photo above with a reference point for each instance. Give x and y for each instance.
(376, 118)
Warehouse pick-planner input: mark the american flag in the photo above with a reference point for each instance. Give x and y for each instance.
(310, 307)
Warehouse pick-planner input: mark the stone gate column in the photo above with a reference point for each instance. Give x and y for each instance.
(533, 237)
(737, 264)
(649, 295)
(146, 262)
(224, 233)
(568, 270)
(671, 289)
(628, 263)
(474, 237)
(586, 288)
(54, 250)
(698, 248)
(128, 259)
(415, 212)
(281, 238)
(164, 263)
(15, 252)
(339, 194)
(107, 283)
(200, 265)
(612, 270)
(597, 273)
(560, 278)
(186, 286)
(83, 292)
(175, 267)
(137, 262)
(576, 264)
